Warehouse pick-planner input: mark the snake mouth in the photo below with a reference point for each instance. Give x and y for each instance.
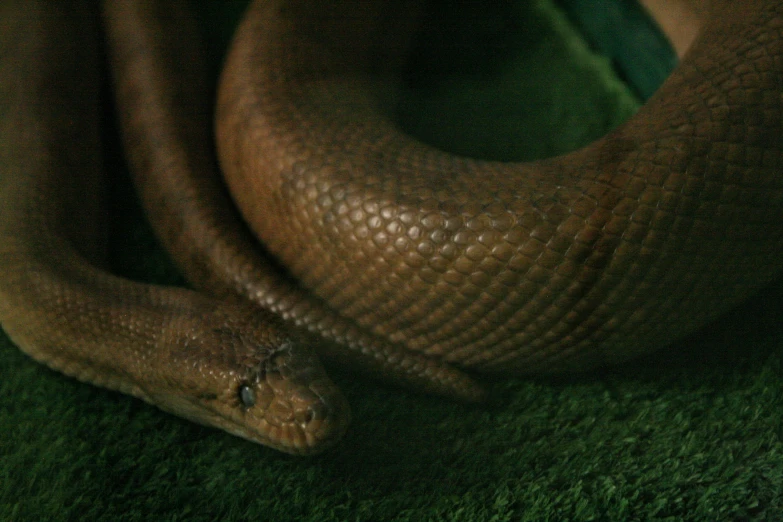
(307, 420)
(313, 429)
(292, 406)
(281, 398)
(299, 420)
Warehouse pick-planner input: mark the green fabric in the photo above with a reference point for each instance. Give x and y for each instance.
(620, 30)
(691, 433)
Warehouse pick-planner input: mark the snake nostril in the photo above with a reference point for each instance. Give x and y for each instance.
(317, 411)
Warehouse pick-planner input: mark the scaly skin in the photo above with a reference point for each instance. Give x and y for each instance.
(226, 365)
(556, 265)
(407, 263)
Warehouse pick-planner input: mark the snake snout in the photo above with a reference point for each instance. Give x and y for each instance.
(316, 420)
(324, 422)
(312, 410)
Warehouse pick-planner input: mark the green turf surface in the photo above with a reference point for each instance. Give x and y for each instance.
(691, 433)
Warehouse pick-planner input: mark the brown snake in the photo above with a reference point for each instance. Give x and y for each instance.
(400, 260)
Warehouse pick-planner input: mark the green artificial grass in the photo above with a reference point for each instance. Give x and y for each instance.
(691, 433)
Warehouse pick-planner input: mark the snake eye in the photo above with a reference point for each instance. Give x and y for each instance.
(247, 395)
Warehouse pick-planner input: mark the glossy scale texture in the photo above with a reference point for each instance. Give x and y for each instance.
(556, 265)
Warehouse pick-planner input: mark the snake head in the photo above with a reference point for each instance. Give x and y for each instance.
(240, 370)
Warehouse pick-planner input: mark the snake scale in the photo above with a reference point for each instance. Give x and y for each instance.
(381, 253)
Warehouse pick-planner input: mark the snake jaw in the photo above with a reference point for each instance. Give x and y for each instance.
(301, 418)
(297, 420)
(298, 401)
(256, 383)
(294, 421)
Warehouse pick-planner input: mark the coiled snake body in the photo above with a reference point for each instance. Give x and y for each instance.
(402, 261)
